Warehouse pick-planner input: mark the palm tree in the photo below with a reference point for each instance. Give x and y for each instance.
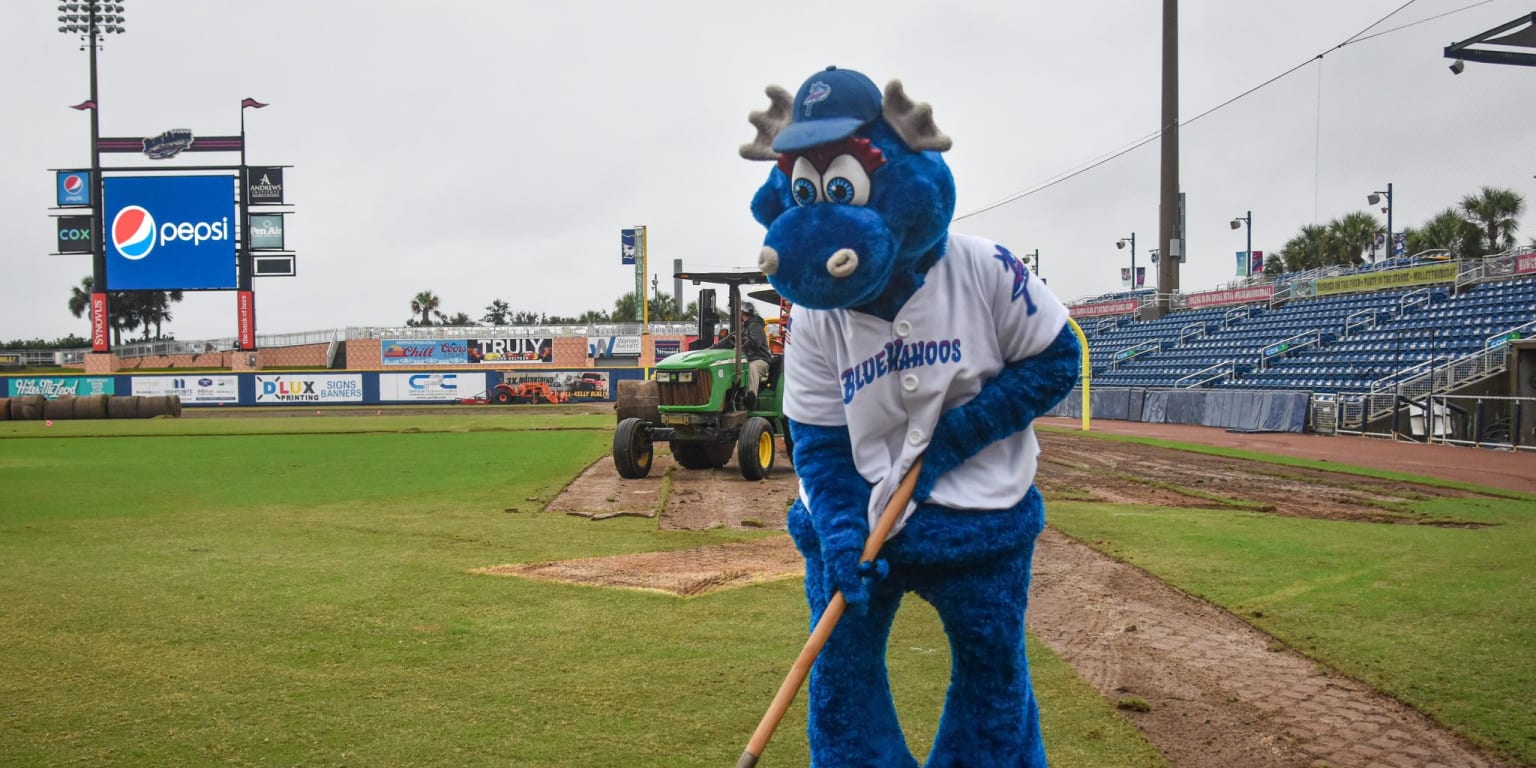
(496, 313)
(1352, 235)
(1305, 250)
(425, 304)
(1496, 211)
(123, 307)
(626, 309)
(458, 318)
(1446, 230)
(594, 316)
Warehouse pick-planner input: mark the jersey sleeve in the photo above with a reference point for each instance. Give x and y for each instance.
(813, 390)
(1028, 315)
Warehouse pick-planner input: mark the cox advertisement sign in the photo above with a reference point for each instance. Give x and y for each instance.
(193, 390)
(301, 389)
(169, 232)
(430, 387)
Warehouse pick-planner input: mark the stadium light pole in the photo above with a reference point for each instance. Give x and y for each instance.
(91, 21)
(1374, 198)
(1246, 218)
(1121, 244)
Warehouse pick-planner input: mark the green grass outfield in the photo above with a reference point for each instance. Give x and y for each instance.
(1442, 617)
(296, 590)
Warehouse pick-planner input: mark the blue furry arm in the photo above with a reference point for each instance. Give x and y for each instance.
(839, 503)
(1007, 404)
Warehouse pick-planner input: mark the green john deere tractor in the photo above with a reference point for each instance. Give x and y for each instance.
(698, 400)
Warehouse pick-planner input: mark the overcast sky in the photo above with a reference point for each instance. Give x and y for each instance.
(485, 149)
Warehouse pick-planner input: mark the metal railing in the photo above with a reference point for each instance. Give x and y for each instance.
(1193, 331)
(1134, 351)
(1432, 377)
(1365, 319)
(1239, 313)
(1284, 347)
(1411, 300)
(1223, 371)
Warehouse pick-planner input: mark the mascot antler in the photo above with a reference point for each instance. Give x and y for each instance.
(769, 123)
(912, 122)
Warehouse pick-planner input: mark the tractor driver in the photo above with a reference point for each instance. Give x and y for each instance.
(754, 347)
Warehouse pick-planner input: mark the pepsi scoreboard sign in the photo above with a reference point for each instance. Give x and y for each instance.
(74, 188)
(170, 232)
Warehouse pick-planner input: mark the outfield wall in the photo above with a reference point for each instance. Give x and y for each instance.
(1268, 411)
(324, 388)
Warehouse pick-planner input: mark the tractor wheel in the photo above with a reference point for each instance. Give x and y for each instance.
(504, 397)
(702, 455)
(754, 450)
(632, 449)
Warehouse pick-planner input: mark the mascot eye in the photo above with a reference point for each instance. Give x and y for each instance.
(847, 183)
(806, 185)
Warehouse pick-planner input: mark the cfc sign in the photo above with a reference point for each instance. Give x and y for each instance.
(169, 232)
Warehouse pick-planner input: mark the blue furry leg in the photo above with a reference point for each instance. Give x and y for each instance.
(990, 714)
(852, 717)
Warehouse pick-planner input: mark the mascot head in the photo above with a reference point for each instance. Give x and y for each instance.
(858, 193)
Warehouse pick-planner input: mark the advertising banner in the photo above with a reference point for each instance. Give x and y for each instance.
(1104, 308)
(266, 186)
(53, 387)
(1392, 278)
(665, 347)
(245, 319)
(1235, 296)
(626, 246)
(193, 390)
(169, 232)
(266, 231)
(289, 389)
(74, 234)
(613, 346)
(1525, 262)
(424, 351)
(74, 188)
(530, 350)
(583, 385)
(100, 341)
(430, 387)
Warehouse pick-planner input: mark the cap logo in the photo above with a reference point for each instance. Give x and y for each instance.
(818, 92)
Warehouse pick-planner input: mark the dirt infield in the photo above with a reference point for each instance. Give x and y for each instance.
(1222, 694)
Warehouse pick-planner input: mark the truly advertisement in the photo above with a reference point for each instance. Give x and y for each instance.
(530, 350)
(53, 387)
(1392, 278)
(192, 389)
(74, 234)
(74, 188)
(430, 387)
(169, 232)
(288, 389)
(424, 351)
(1234, 296)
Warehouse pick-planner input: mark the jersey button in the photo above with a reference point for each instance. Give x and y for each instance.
(903, 328)
(909, 382)
(915, 437)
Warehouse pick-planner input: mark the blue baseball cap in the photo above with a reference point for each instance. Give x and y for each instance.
(829, 106)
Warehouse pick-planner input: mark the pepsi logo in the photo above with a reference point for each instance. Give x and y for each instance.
(73, 184)
(133, 232)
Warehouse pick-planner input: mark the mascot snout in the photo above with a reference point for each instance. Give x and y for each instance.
(847, 262)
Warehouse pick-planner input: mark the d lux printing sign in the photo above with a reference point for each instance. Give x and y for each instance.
(169, 232)
(289, 389)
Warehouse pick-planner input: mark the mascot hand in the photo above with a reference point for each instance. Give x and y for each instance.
(1007, 404)
(839, 504)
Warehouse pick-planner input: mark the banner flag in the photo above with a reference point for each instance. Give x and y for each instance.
(627, 242)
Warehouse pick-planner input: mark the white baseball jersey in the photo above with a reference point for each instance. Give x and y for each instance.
(978, 309)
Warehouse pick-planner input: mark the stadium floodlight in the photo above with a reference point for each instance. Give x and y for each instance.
(1121, 245)
(1374, 198)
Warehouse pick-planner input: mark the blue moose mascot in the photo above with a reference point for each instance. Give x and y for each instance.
(907, 341)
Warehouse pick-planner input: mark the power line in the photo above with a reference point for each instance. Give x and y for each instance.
(1095, 163)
